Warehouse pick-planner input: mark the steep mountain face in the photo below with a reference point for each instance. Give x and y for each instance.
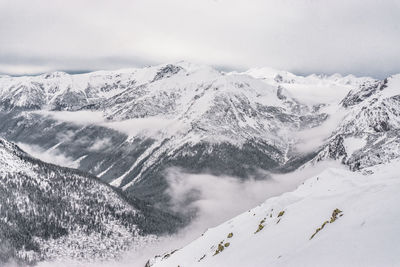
(49, 212)
(369, 132)
(144, 121)
(333, 219)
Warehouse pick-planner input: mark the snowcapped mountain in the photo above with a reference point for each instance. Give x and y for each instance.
(49, 212)
(337, 218)
(144, 121)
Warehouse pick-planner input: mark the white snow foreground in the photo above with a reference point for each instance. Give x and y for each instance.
(337, 218)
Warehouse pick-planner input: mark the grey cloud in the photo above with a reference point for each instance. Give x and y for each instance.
(303, 36)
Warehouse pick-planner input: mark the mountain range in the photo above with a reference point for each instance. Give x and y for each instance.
(125, 130)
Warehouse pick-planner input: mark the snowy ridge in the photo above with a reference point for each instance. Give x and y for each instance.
(332, 219)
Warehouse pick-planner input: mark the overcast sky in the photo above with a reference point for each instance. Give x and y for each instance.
(303, 36)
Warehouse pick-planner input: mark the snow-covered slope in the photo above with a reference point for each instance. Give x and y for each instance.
(49, 212)
(337, 218)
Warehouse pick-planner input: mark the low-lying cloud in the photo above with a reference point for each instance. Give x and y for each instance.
(52, 155)
(149, 126)
(219, 198)
(100, 144)
(82, 117)
(311, 139)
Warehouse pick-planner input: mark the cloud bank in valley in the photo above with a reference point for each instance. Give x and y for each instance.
(52, 155)
(149, 126)
(309, 140)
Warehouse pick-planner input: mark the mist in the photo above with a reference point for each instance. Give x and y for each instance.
(149, 126)
(309, 140)
(52, 155)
